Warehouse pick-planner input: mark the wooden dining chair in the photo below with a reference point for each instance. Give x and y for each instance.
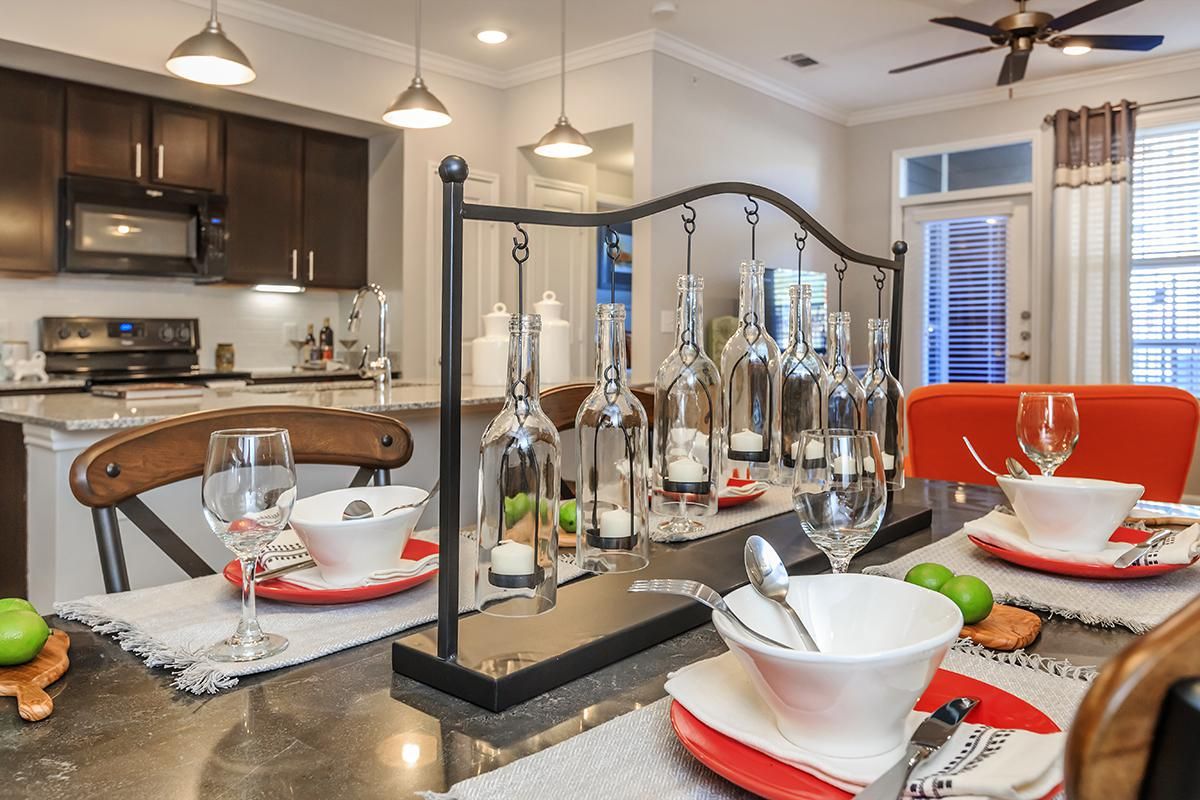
(109, 475)
(1134, 735)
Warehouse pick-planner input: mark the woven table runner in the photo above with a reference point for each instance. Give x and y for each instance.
(775, 501)
(171, 625)
(637, 754)
(1137, 604)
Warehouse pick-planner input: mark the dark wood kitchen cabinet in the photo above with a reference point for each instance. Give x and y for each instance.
(335, 210)
(264, 164)
(31, 146)
(113, 134)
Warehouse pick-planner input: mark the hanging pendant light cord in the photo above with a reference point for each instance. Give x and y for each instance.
(418, 73)
(213, 18)
(562, 81)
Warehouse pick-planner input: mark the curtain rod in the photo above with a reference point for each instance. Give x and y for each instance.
(1049, 118)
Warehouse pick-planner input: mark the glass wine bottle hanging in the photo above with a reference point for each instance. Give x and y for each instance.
(750, 378)
(688, 416)
(613, 486)
(842, 395)
(801, 374)
(517, 566)
(885, 405)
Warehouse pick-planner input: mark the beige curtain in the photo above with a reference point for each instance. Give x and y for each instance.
(1090, 333)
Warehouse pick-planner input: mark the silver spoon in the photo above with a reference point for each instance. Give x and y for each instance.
(770, 579)
(358, 509)
(1016, 470)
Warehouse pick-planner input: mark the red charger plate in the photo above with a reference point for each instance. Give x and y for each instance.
(281, 589)
(1094, 571)
(757, 772)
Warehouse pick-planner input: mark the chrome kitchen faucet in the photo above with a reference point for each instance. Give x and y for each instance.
(380, 369)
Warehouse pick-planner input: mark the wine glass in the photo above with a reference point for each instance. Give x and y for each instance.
(1047, 428)
(248, 490)
(839, 491)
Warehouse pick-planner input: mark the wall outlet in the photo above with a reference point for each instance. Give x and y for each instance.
(291, 333)
(666, 322)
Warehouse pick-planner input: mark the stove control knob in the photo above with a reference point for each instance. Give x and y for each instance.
(184, 334)
(166, 333)
(64, 332)
(84, 333)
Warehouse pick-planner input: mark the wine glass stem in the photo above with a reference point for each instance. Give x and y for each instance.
(248, 629)
(839, 564)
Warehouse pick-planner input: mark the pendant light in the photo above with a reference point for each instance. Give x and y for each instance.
(416, 107)
(209, 57)
(563, 141)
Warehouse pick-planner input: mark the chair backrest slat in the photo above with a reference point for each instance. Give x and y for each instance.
(164, 538)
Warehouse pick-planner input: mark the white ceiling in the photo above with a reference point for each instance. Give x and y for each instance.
(855, 41)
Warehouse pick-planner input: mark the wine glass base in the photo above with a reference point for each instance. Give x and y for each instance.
(235, 649)
(680, 526)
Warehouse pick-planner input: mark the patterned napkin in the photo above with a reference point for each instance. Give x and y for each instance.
(1005, 530)
(978, 761)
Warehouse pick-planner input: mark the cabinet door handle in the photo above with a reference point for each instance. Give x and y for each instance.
(162, 157)
(137, 160)
(310, 265)
(295, 266)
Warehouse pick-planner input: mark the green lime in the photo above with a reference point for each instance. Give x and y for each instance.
(971, 595)
(567, 516)
(515, 508)
(15, 603)
(22, 634)
(544, 508)
(931, 576)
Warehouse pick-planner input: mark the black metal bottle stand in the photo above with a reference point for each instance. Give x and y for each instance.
(596, 623)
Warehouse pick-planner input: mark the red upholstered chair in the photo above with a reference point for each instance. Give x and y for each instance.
(1136, 434)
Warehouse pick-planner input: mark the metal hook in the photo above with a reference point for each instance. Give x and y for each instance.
(841, 274)
(689, 227)
(520, 254)
(612, 243)
(880, 280)
(752, 218)
(801, 242)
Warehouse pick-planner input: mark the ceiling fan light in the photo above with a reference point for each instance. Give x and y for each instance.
(1076, 49)
(210, 57)
(563, 141)
(416, 107)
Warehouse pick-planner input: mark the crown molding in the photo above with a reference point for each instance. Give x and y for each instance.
(612, 50)
(1086, 79)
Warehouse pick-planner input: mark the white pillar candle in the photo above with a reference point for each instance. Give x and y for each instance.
(844, 465)
(682, 436)
(868, 465)
(512, 558)
(685, 470)
(615, 524)
(814, 450)
(889, 461)
(746, 441)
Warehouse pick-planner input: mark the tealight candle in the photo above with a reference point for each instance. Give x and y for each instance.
(746, 441)
(868, 465)
(814, 450)
(615, 524)
(889, 462)
(685, 470)
(512, 558)
(844, 465)
(795, 449)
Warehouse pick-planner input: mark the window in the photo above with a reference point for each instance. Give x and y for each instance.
(1001, 165)
(1164, 286)
(965, 299)
(778, 286)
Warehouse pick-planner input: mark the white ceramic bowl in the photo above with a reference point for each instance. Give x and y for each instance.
(881, 642)
(1073, 514)
(347, 551)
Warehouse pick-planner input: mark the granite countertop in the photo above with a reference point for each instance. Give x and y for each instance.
(80, 411)
(53, 383)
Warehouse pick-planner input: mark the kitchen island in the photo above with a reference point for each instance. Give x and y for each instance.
(47, 536)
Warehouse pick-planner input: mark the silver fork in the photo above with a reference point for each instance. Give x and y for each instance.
(705, 594)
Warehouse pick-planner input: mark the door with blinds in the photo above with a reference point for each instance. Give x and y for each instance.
(967, 294)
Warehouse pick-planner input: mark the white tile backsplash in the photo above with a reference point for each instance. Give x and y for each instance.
(253, 321)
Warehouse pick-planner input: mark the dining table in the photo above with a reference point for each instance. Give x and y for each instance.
(345, 725)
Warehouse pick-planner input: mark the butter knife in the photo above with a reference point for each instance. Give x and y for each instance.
(926, 740)
(1138, 550)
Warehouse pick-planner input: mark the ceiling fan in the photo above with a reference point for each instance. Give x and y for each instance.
(1019, 32)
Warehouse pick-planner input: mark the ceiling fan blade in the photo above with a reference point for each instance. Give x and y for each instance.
(1013, 68)
(1087, 13)
(1141, 43)
(932, 61)
(968, 25)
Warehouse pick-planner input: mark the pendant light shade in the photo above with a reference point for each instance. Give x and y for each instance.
(209, 57)
(416, 106)
(563, 140)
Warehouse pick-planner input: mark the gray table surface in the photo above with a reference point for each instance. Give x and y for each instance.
(346, 726)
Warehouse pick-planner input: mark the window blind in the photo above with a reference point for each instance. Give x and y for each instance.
(966, 299)
(1164, 285)
(778, 285)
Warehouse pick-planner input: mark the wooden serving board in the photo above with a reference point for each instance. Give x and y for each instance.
(1006, 628)
(27, 682)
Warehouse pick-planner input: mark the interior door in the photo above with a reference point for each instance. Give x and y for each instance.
(560, 260)
(107, 133)
(967, 301)
(187, 146)
(335, 211)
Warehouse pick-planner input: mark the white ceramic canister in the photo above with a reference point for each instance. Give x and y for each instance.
(555, 342)
(489, 353)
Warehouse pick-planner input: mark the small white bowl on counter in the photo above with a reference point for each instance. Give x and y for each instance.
(1072, 514)
(348, 551)
(881, 642)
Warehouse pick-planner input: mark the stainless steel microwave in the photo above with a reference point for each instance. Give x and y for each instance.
(123, 228)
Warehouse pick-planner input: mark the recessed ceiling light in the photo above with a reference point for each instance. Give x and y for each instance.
(1077, 49)
(492, 37)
